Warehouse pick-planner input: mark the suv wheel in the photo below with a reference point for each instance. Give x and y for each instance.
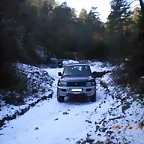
(93, 97)
(60, 98)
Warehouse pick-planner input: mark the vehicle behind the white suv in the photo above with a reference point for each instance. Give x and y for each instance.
(76, 79)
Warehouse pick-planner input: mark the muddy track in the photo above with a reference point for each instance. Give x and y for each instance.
(22, 111)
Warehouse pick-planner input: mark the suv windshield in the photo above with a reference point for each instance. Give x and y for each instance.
(78, 70)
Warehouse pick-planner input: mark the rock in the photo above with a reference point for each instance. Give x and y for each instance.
(82, 139)
(90, 140)
(99, 142)
(96, 122)
(1, 134)
(56, 119)
(78, 142)
(109, 132)
(65, 113)
(109, 142)
(44, 98)
(119, 132)
(125, 107)
(36, 128)
(67, 139)
(112, 137)
(88, 135)
(84, 142)
(103, 129)
(88, 121)
(50, 95)
(97, 127)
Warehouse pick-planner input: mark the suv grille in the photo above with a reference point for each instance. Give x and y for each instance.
(76, 84)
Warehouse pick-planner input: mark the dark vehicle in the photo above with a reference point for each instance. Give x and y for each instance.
(55, 63)
(60, 64)
(76, 79)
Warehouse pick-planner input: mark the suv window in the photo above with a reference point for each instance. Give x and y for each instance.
(78, 70)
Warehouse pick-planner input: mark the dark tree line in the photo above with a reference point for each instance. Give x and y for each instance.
(129, 32)
(30, 27)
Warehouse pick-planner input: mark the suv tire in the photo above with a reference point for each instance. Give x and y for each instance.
(60, 98)
(93, 97)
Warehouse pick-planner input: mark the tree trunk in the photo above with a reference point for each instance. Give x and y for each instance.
(142, 6)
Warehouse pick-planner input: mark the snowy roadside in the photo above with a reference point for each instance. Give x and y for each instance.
(115, 120)
(38, 87)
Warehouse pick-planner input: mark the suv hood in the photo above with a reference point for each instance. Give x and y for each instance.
(76, 78)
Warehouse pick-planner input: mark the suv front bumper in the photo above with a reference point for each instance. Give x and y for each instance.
(68, 91)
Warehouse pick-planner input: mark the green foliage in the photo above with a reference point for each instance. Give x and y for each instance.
(119, 19)
(83, 15)
(14, 99)
(52, 26)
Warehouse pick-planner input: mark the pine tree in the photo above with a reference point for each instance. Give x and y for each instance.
(119, 17)
(83, 15)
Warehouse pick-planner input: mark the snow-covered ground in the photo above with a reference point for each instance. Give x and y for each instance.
(39, 84)
(74, 121)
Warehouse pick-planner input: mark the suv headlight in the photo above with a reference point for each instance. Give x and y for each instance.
(62, 84)
(90, 83)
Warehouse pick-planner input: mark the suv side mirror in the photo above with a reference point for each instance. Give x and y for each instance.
(94, 74)
(59, 74)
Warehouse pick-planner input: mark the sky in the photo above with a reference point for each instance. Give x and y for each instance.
(103, 6)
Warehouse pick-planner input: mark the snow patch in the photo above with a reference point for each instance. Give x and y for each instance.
(65, 62)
